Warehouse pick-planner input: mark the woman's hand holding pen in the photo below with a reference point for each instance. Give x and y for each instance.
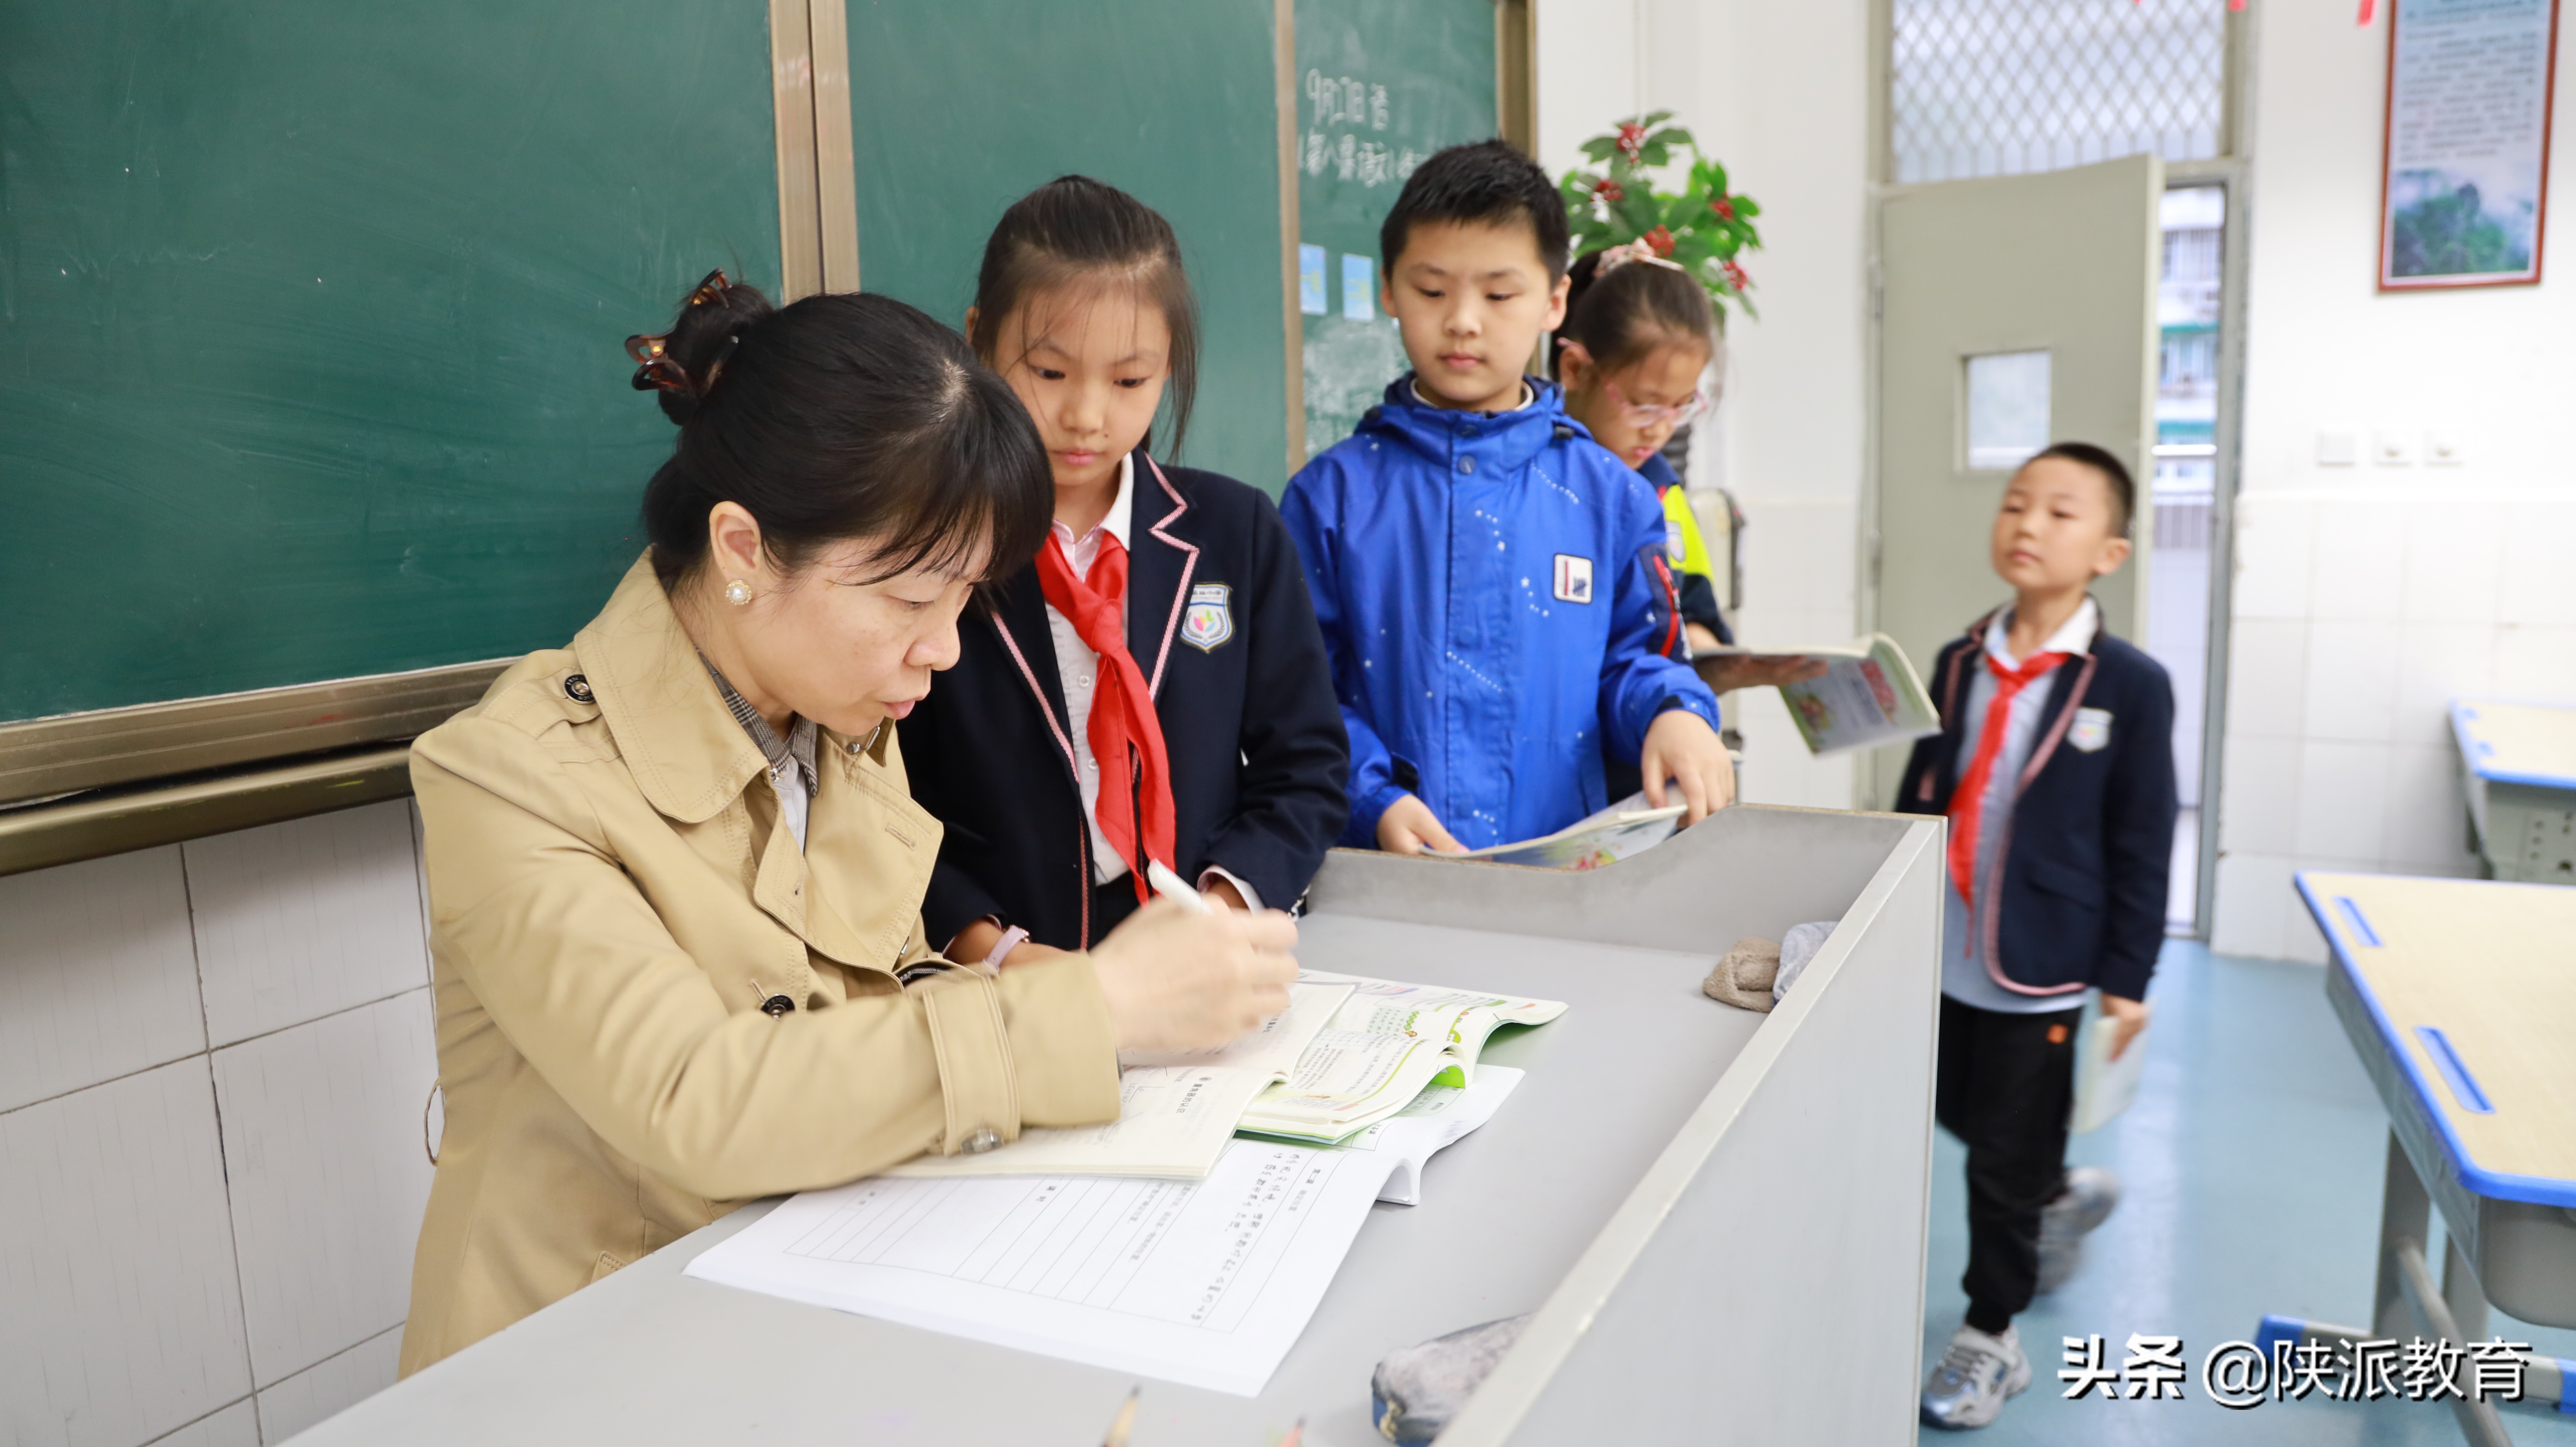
(1178, 979)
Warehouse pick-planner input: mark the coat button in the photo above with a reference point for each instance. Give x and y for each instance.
(577, 688)
(984, 1139)
(1467, 465)
(777, 1005)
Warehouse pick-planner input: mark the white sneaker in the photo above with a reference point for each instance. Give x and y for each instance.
(1974, 1378)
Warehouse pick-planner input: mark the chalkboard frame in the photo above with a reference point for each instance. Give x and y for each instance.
(81, 785)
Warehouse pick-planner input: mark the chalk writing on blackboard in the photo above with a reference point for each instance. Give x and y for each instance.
(1339, 109)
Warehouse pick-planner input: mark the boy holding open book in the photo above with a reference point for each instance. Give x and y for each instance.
(2054, 765)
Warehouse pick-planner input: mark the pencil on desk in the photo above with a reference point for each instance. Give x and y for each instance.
(1124, 1422)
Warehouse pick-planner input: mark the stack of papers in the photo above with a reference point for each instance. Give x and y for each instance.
(1054, 1244)
(1207, 1283)
(1382, 1047)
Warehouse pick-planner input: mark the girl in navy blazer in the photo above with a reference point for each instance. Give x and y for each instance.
(1152, 686)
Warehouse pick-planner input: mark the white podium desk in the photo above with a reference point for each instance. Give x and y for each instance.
(1718, 1216)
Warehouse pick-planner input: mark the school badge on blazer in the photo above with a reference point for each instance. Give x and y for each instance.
(1210, 619)
(2092, 729)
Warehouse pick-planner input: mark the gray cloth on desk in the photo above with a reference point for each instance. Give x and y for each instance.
(1756, 974)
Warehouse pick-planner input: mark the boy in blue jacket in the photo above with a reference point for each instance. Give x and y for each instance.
(1491, 583)
(2055, 767)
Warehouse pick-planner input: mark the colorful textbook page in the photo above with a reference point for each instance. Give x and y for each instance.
(1176, 1109)
(1385, 1044)
(1869, 696)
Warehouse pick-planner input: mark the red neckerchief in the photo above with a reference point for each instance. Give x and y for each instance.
(1968, 800)
(1126, 737)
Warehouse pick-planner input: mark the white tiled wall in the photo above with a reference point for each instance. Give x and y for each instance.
(210, 1246)
(2360, 612)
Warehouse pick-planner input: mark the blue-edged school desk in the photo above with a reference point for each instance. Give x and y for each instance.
(2457, 995)
(2518, 768)
(1717, 1216)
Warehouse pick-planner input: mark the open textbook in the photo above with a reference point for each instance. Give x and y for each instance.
(1628, 827)
(1381, 1048)
(1869, 695)
(1176, 1109)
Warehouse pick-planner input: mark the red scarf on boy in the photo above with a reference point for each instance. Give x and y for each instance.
(1126, 738)
(1968, 800)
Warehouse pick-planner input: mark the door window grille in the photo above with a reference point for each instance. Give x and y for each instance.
(2001, 87)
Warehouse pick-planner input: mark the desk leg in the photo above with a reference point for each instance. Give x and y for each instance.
(2461, 1292)
(2404, 1209)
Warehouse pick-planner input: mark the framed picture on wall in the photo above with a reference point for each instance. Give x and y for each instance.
(2465, 187)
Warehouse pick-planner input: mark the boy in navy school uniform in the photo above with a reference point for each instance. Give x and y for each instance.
(1490, 581)
(2054, 765)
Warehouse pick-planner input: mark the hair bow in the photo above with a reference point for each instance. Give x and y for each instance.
(1638, 250)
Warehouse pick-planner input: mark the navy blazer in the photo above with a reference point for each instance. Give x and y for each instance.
(1219, 623)
(2084, 868)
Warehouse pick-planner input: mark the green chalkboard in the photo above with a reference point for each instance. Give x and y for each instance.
(1380, 85)
(310, 317)
(958, 108)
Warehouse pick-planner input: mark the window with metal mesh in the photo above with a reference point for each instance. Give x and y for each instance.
(2000, 87)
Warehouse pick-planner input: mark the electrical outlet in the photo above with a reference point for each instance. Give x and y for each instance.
(2444, 448)
(2392, 449)
(2337, 449)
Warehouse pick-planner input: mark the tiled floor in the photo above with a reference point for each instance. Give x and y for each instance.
(2252, 1161)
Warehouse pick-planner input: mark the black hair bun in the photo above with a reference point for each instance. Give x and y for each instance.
(684, 363)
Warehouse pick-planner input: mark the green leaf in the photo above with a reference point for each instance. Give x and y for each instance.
(1601, 148)
(1671, 136)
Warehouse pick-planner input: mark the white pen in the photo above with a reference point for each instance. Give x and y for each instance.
(1172, 886)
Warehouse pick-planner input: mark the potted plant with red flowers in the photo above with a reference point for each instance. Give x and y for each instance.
(1702, 229)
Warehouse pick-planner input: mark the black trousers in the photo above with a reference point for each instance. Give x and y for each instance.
(2003, 1087)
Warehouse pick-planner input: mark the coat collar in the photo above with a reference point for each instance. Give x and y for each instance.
(1506, 440)
(1162, 558)
(1160, 564)
(683, 746)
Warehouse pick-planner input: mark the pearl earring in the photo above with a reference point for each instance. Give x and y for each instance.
(738, 593)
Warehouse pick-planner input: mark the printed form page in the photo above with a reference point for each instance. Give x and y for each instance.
(1207, 1283)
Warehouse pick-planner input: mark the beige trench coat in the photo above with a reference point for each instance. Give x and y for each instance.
(613, 894)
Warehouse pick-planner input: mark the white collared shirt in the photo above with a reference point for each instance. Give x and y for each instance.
(1079, 669)
(1963, 969)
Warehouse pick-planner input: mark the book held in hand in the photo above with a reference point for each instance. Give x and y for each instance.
(1869, 696)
